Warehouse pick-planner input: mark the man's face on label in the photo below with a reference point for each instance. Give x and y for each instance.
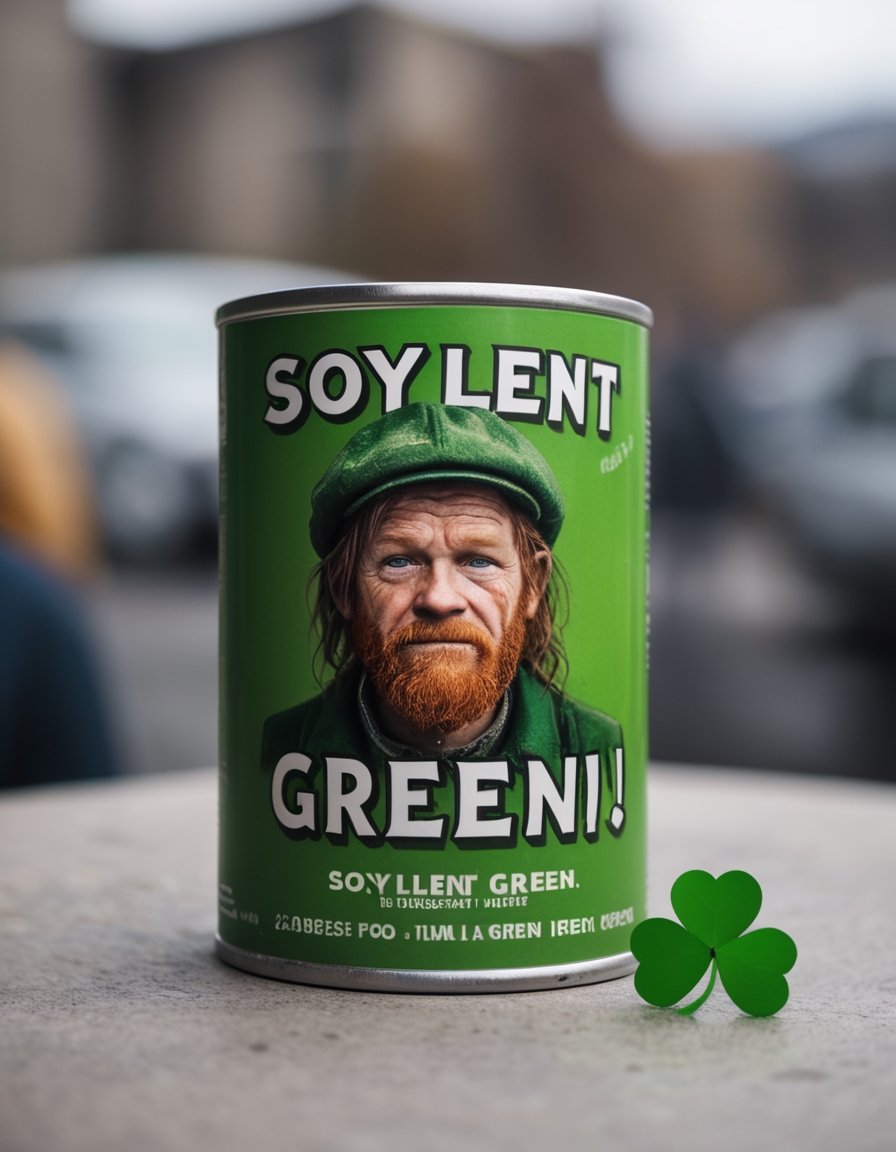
(440, 610)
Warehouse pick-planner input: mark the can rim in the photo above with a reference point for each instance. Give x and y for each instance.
(346, 297)
(454, 980)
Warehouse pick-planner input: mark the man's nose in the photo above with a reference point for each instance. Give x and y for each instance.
(438, 593)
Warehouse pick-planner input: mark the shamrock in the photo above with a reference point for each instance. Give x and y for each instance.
(714, 913)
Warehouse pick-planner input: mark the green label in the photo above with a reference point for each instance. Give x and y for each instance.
(438, 762)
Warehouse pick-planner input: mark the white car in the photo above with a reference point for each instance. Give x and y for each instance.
(133, 340)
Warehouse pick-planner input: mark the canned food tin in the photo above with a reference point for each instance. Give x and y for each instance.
(433, 635)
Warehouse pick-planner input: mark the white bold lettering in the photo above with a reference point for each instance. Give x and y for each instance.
(328, 366)
(515, 370)
(606, 377)
(402, 798)
(396, 378)
(281, 389)
(350, 802)
(567, 390)
(543, 792)
(303, 816)
(455, 359)
(592, 805)
(472, 799)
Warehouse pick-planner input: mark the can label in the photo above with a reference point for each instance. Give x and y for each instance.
(433, 639)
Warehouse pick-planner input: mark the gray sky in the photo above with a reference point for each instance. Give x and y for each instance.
(681, 71)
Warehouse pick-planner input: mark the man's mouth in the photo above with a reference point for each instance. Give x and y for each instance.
(439, 640)
(455, 639)
(448, 645)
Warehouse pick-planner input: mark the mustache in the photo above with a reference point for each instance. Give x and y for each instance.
(441, 632)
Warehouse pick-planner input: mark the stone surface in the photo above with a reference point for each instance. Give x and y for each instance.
(120, 1029)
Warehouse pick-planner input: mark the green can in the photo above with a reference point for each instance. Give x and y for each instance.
(433, 641)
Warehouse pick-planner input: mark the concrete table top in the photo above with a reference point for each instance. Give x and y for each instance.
(119, 1029)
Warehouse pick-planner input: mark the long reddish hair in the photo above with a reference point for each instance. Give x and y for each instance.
(333, 582)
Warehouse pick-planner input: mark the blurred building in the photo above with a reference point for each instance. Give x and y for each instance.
(53, 140)
(846, 184)
(401, 149)
(374, 141)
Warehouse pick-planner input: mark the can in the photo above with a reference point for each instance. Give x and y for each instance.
(433, 635)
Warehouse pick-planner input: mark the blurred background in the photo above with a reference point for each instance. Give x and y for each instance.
(731, 165)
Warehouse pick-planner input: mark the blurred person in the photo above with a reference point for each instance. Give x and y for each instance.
(46, 497)
(54, 720)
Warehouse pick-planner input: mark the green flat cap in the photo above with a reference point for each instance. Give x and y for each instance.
(424, 442)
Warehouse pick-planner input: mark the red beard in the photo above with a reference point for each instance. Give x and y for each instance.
(439, 689)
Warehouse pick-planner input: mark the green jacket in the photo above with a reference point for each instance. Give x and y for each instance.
(543, 723)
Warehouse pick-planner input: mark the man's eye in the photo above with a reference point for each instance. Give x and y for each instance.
(396, 562)
(480, 562)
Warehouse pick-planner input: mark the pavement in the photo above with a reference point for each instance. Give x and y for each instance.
(120, 1030)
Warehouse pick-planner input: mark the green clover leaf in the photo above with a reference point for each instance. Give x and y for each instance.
(716, 910)
(714, 913)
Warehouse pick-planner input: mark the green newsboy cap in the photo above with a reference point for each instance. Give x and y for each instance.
(424, 442)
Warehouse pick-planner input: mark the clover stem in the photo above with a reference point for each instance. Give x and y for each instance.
(704, 996)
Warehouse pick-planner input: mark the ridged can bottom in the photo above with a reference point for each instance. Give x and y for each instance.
(447, 980)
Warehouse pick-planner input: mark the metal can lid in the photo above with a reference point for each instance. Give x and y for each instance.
(334, 297)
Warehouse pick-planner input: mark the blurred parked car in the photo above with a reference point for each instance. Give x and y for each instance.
(132, 339)
(808, 414)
